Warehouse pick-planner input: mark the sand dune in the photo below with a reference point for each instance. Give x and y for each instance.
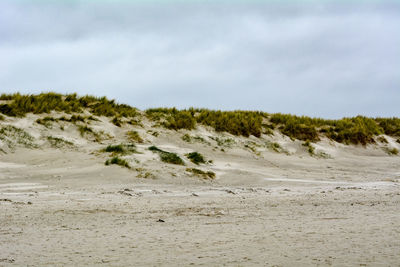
(62, 206)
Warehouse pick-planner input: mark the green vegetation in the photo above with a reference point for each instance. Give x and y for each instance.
(118, 161)
(191, 139)
(1, 117)
(392, 151)
(390, 126)
(196, 158)
(116, 121)
(310, 148)
(120, 149)
(186, 138)
(19, 105)
(134, 136)
(167, 157)
(84, 129)
(224, 142)
(172, 118)
(382, 139)
(356, 130)
(12, 136)
(203, 174)
(243, 123)
(46, 121)
(144, 174)
(57, 142)
(274, 146)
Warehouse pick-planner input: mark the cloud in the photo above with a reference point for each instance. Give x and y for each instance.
(329, 60)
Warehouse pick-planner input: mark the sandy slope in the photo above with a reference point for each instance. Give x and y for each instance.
(64, 207)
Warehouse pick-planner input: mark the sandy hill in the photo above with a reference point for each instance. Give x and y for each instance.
(114, 185)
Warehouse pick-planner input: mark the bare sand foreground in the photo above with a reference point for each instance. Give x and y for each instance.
(64, 207)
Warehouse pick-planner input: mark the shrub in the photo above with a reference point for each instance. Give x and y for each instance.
(167, 157)
(196, 158)
(203, 174)
(134, 136)
(118, 161)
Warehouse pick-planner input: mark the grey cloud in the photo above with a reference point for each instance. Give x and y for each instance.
(328, 60)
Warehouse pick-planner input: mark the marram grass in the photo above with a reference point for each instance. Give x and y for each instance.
(355, 130)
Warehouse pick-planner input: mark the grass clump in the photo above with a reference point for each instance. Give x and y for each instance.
(203, 174)
(382, 139)
(84, 129)
(196, 158)
(191, 139)
(187, 138)
(134, 136)
(276, 147)
(46, 121)
(243, 123)
(116, 121)
(224, 142)
(12, 136)
(392, 151)
(310, 148)
(57, 142)
(173, 118)
(167, 157)
(118, 161)
(120, 149)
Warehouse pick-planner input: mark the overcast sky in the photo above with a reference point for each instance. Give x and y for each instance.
(320, 58)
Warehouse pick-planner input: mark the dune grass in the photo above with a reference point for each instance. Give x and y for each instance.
(356, 130)
(118, 161)
(13, 136)
(46, 102)
(167, 157)
(203, 174)
(57, 142)
(121, 149)
(196, 158)
(134, 137)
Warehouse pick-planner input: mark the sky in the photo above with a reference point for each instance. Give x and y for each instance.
(323, 58)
